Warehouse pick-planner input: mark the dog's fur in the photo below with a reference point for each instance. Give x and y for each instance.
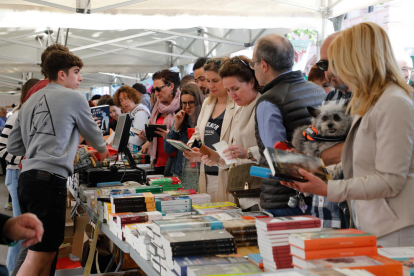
(330, 120)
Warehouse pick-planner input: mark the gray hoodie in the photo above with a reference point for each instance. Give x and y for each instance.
(47, 130)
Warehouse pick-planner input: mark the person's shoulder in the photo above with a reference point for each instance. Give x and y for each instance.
(330, 95)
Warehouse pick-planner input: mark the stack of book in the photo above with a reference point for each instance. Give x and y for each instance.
(216, 208)
(273, 237)
(256, 259)
(346, 248)
(313, 272)
(167, 183)
(243, 231)
(169, 203)
(223, 269)
(186, 224)
(138, 202)
(404, 255)
(141, 158)
(141, 242)
(181, 263)
(183, 192)
(200, 198)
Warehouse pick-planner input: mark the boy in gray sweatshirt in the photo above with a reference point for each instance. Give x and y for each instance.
(47, 133)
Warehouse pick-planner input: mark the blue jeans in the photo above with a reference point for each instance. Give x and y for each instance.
(285, 212)
(12, 178)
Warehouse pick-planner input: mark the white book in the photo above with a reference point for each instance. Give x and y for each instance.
(397, 252)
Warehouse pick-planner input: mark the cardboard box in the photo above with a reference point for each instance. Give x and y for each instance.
(64, 250)
(81, 237)
(69, 228)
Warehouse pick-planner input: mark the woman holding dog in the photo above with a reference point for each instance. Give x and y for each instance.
(242, 87)
(377, 159)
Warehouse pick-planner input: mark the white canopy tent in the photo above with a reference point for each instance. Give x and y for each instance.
(141, 36)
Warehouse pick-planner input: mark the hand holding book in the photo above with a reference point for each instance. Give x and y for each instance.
(315, 185)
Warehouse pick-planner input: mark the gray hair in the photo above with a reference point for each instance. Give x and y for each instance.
(277, 51)
(3, 108)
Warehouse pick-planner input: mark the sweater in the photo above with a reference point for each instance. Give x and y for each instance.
(13, 160)
(47, 130)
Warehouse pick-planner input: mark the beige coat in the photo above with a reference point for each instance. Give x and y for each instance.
(205, 113)
(378, 165)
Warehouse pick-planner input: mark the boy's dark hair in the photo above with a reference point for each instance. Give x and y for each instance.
(140, 88)
(47, 52)
(186, 80)
(58, 60)
(104, 100)
(199, 63)
(96, 97)
(168, 76)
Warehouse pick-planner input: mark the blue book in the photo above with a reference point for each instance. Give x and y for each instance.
(109, 184)
(264, 173)
(181, 263)
(101, 113)
(256, 259)
(187, 224)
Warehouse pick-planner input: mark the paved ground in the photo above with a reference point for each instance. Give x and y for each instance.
(4, 195)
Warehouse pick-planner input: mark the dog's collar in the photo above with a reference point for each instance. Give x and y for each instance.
(311, 134)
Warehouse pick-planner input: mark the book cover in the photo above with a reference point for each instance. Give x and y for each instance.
(282, 222)
(179, 145)
(196, 237)
(183, 224)
(223, 269)
(205, 251)
(331, 239)
(102, 114)
(131, 218)
(83, 160)
(376, 264)
(333, 253)
(151, 128)
(217, 210)
(213, 205)
(181, 263)
(240, 227)
(286, 165)
(256, 259)
(202, 246)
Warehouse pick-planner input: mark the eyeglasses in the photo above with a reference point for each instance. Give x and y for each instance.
(158, 89)
(323, 65)
(407, 69)
(216, 62)
(253, 63)
(190, 104)
(237, 60)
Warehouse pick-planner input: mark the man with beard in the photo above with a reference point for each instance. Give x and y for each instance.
(332, 214)
(200, 75)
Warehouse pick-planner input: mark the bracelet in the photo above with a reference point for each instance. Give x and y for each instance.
(9, 242)
(218, 160)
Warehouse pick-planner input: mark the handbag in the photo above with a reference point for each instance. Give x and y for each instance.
(241, 183)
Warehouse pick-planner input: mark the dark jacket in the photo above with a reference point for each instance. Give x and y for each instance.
(3, 220)
(291, 94)
(182, 135)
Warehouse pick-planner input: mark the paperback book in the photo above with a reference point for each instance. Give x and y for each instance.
(183, 224)
(101, 113)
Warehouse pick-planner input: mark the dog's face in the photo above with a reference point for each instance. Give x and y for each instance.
(330, 119)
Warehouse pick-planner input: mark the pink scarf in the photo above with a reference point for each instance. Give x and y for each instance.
(160, 108)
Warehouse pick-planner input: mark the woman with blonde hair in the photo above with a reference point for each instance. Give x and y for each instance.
(377, 159)
(213, 125)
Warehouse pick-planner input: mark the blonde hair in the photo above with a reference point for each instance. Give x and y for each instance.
(363, 58)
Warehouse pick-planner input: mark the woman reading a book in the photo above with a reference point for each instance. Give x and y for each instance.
(377, 158)
(165, 87)
(128, 98)
(242, 87)
(185, 121)
(213, 126)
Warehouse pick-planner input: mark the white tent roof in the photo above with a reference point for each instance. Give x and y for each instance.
(140, 36)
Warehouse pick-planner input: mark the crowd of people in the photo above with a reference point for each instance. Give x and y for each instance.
(251, 104)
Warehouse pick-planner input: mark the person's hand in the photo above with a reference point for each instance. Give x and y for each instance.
(97, 121)
(162, 132)
(142, 135)
(145, 147)
(104, 154)
(179, 119)
(235, 151)
(24, 227)
(210, 163)
(193, 155)
(315, 185)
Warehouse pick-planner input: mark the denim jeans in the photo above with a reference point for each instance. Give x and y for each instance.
(285, 212)
(12, 178)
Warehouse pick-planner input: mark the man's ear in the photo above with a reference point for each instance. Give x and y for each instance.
(264, 66)
(313, 111)
(61, 75)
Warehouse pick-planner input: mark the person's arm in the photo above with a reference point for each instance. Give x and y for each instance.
(394, 128)
(87, 127)
(332, 155)
(140, 119)
(270, 123)
(15, 143)
(24, 227)
(174, 135)
(4, 140)
(196, 134)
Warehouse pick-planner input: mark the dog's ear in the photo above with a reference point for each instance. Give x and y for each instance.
(313, 111)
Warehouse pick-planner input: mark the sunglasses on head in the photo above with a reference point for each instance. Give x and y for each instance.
(158, 89)
(237, 60)
(323, 65)
(217, 62)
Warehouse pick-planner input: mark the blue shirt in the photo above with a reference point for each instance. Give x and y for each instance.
(270, 123)
(2, 123)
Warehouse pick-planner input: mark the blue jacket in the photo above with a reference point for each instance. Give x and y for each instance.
(182, 135)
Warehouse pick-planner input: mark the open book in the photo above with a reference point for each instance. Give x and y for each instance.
(179, 145)
(286, 165)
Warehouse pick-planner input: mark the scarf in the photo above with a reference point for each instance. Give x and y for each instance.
(160, 108)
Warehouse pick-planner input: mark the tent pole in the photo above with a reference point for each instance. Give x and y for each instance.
(219, 43)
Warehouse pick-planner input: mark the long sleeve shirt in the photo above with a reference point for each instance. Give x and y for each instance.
(13, 160)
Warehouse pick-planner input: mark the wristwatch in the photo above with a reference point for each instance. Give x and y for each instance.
(249, 154)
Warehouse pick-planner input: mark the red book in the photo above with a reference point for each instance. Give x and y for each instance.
(333, 253)
(131, 218)
(281, 223)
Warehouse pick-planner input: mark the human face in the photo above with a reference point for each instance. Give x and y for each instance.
(200, 79)
(324, 84)
(114, 111)
(242, 93)
(188, 104)
(127, 104)
(215, 84)
(3, 113)
(257, 70)
(333, 80)
(71, 80)
(165, 94)
(406, 69)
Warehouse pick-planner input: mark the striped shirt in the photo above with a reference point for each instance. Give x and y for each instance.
(13, 160)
